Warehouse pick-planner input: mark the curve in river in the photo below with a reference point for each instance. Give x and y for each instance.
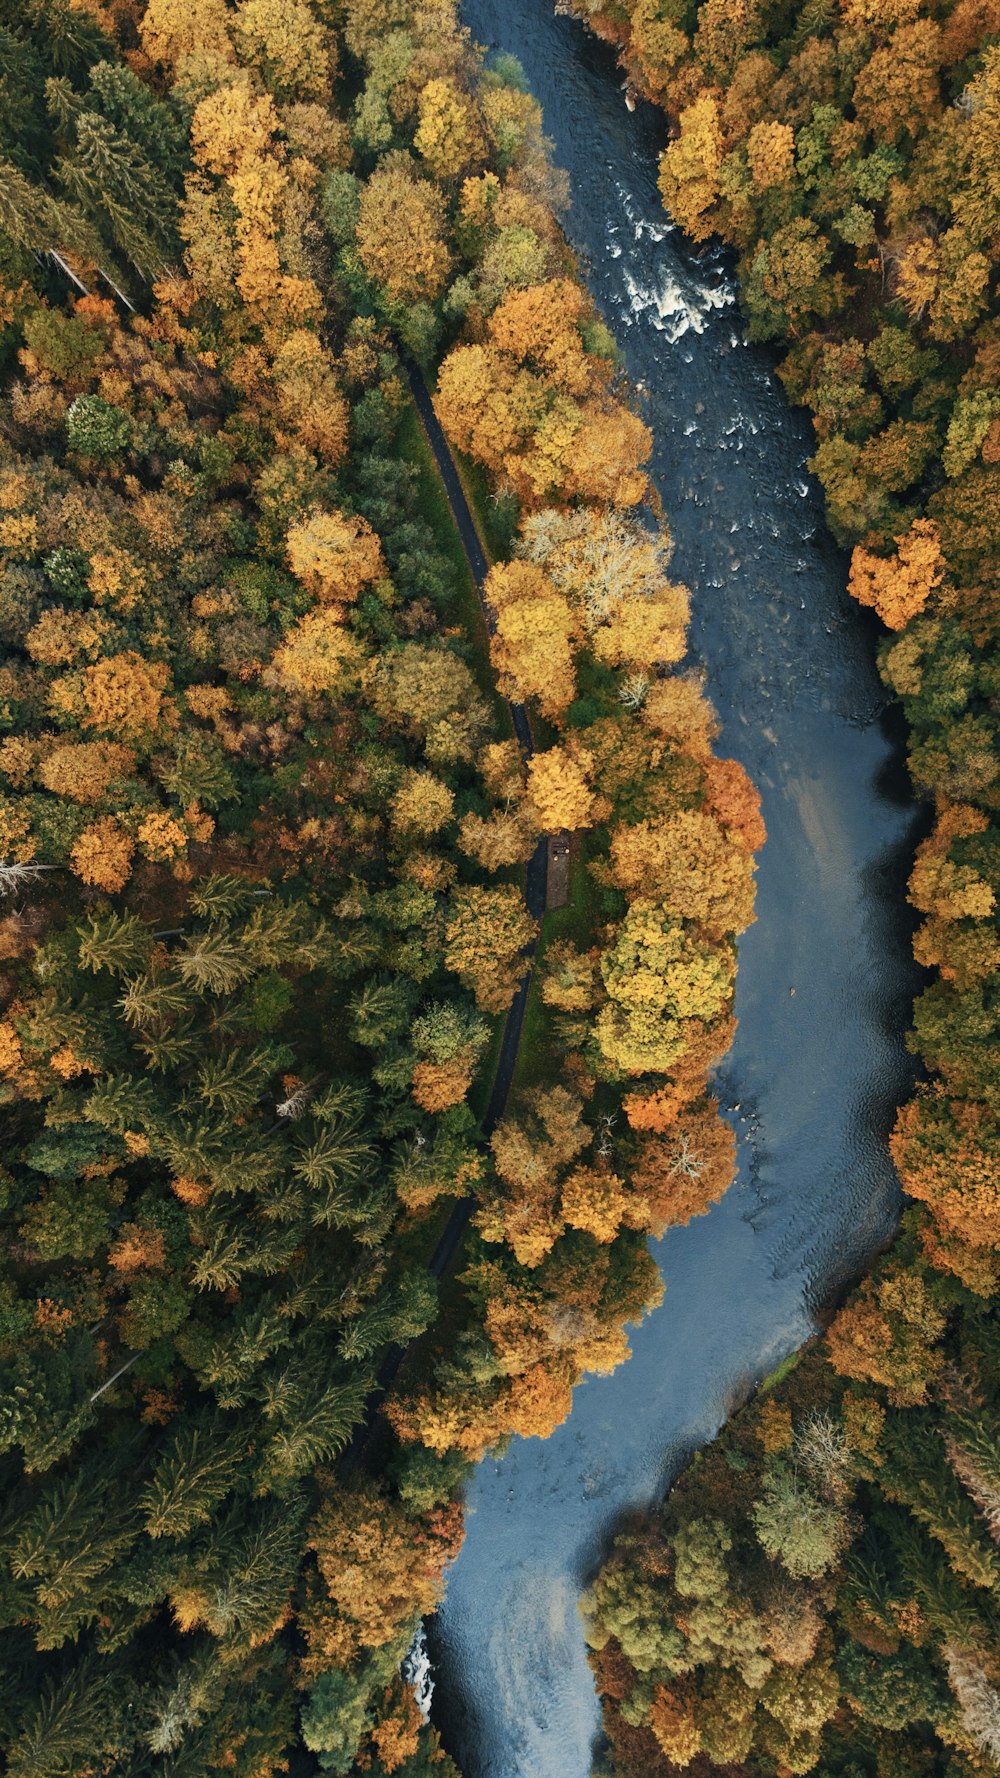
(825, 976)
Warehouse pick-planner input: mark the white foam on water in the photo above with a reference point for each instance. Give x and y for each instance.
(674, 304)
(418, 1673)
(671, 308)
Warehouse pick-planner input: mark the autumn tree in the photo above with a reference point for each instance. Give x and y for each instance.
(612, 569)
(684, 1171)
(558, 788)
(401, 239)
(318, 655)
(532, 647)
(689, 170)
(448, 138)
(334, 556)
(697, 870)
(899, 586)
(485, 940)
(532, 403)
(286, 42)
(889, 1334)
(657, 976)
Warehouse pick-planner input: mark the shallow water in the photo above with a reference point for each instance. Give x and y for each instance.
(825, 976)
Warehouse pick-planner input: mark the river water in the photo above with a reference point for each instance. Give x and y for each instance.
(825, 979)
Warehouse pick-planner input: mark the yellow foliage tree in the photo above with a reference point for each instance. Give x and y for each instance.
(171, 30)
(888, 1333)
(771, 152)
(286, 42)
(689, 169)
(645, 632)
(162, 837)
(379, 1567)
(334, 555)
(532, 651)
(559, 788)
(486, 934)
(530, 1150)
(318, 655)
(532, 404)
(942, 888)
(422, 804)
(657, 976)
(309, 396)
(233, 127)
(671, 1718)
(540, 1400)
(396, 1735)
(514, 583)
(401, 234)
(447, 137)
(918, 274)
(691, 865)
(605, 456)
(61, 636)
(947, 1152)
(502, 770)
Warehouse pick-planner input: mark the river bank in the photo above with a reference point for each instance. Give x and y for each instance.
(825, 979)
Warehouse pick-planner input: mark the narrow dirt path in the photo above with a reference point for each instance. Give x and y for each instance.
(536, 879)
(535, 888)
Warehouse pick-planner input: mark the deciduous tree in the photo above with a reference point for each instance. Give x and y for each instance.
(334, 555)
(401, 237)
(559, 788)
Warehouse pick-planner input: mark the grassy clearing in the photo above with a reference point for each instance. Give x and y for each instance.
(780, 1372)
(482, 1086)
(495, 531)
(432, 501)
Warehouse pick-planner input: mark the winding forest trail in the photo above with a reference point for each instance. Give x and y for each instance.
(535, 890)
(536, 876)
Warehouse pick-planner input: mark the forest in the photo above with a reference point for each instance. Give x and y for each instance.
(265, 821)
(818, 1590)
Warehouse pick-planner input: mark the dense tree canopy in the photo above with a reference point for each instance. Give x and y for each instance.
(263, 829)
(848, 151)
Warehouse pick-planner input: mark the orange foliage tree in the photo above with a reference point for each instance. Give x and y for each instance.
(532, 403)
(899, 586)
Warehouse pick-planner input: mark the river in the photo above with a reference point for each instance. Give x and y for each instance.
(825, 979)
